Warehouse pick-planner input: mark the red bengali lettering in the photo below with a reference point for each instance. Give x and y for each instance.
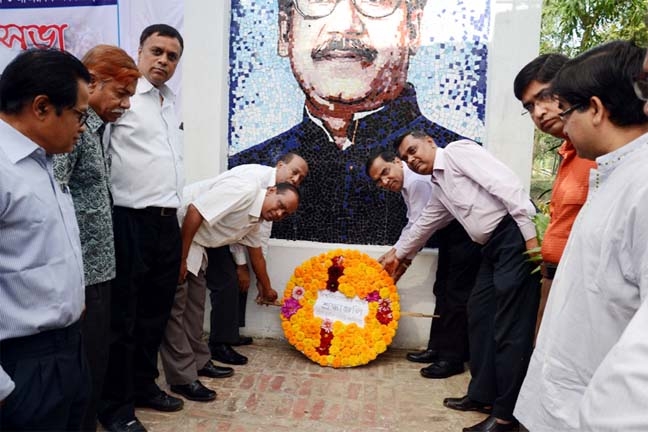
(33, 35)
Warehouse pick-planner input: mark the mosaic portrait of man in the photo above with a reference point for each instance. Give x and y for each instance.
(333, 80)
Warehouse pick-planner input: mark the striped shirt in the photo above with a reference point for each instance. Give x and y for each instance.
(41, 270)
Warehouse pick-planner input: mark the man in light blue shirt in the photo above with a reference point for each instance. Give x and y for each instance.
(43, 376)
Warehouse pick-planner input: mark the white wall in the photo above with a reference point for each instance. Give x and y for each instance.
(515, 39)
(205, 64)
(514, 42)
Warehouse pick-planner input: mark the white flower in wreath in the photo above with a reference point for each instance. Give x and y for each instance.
(298, 293)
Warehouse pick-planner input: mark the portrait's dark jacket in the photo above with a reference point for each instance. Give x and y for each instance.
(339, 202)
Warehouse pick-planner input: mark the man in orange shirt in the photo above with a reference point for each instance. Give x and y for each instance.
(532, 86)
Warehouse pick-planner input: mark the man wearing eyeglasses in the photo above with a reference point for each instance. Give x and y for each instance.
(86, 172)
(532, 86)
(44, 382)
(350, 58)
(589, 368)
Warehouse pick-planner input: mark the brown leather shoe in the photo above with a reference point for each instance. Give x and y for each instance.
(491, 425)
(466, 404)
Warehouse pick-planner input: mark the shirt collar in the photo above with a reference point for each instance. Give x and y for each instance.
(397, 113)
(255, 208)
(145, 86)
(94, 122)
(16, 145)
(566, 149)
(439, 160)
(357, 116)
(608, 162)
(273, 178)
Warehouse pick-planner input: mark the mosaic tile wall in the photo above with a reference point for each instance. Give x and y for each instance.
(445, 96)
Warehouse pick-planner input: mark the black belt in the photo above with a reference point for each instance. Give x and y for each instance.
(160, 211)
(548, 270)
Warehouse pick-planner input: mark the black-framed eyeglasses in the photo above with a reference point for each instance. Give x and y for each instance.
(543, 97)
(314, 9)
(564, 114)
(640, 85)
(82, 116)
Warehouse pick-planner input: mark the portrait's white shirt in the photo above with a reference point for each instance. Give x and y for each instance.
(474, 187)
(265, 175)
(146, 151)
(356, 117)
(416, 193)
(231, 207)
(589, 370)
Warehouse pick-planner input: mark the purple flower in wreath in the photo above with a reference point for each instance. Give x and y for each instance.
(373, 296)
(290, 307)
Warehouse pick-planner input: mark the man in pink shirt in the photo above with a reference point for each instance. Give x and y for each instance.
(486, 197)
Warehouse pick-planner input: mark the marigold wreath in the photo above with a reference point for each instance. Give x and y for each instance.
(340, 309)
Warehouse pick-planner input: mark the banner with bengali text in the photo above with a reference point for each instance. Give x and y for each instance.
(71, 25)
(78, 25)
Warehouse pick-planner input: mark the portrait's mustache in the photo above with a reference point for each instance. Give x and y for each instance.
(335, 46)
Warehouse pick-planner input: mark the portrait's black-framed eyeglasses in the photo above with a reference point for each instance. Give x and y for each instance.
(640, 85)
(564, 114)
(82, 116)
(314, 9)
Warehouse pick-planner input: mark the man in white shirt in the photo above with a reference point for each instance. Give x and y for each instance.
(485, 196)
(291, 168)
(458, 263)
(227, 209)
(147, 181)
(589, 370)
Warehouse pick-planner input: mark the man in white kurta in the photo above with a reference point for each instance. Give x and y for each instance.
(589, 370)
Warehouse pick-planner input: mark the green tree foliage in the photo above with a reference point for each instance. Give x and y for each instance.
(573, 26)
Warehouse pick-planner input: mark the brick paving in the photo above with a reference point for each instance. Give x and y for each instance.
(281, 390)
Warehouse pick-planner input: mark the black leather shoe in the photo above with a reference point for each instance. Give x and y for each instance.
(210, 370)
(243, 340)
(161, 402)
(466, 404)
(443, 369)
(427, 356)
(491, 425)
(226, 354)
(194, 391)
(132, 425)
